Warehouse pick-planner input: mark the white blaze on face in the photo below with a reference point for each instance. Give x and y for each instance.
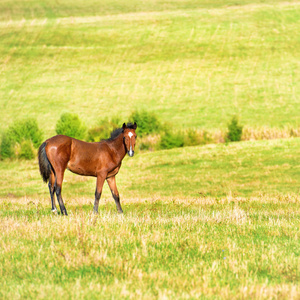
(130, 134)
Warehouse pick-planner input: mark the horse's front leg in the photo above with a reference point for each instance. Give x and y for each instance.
(114, 191)
(99, 186)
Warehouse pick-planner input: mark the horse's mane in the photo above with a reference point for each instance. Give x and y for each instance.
(115, 133)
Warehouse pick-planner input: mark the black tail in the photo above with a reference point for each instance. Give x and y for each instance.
(44, 163)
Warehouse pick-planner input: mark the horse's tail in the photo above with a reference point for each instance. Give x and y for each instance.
(44, 163)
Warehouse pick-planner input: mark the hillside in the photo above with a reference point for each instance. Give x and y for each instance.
(51, 9)
(245, 169)
(195, 64)
(213, 221)
(218, 221)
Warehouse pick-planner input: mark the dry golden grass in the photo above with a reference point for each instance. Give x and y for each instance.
(165, 248)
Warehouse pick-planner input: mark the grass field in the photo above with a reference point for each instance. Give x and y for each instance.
(212, 222)
(166, 249)
(206, 222)
(243, 169)
(193, 63)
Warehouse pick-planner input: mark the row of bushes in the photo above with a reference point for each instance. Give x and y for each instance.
(22, 139)
(169, 138)
(149, 127)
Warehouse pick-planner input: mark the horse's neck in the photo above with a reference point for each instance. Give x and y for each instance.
(119, 147)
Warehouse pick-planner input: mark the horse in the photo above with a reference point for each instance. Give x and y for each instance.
(99, 159)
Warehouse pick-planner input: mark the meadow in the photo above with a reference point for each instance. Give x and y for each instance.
(204, 222)
(195, 64)
(159, 249)
(210, 222)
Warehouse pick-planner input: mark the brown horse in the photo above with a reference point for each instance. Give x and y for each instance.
(102, 160)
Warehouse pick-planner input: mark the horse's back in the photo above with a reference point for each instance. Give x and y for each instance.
(59, 143)
(59, 139)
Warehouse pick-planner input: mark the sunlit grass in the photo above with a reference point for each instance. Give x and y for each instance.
(194, 67)
(238, 169)
(190, 229)
(18, 10)
(158, 248)
(211, 222)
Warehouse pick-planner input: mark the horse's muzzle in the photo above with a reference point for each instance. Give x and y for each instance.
(130, 153)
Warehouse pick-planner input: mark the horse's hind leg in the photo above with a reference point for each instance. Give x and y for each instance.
(58, 185)
(58, 152)
(51, 185)
(114, 191)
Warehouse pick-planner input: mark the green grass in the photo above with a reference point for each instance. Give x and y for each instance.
(159, 249)
(240, 169)
(212, 222)
(193, 64)
(16, 10)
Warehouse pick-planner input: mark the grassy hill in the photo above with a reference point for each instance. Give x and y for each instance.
(195, 63)
(205, 222)
(200, 222)
(159, 249)
(15, 10)
(245, 169)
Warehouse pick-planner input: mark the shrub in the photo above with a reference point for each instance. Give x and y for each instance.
(149, 142)
(102, 130)
(70, 125)
(7, 144)
(16, 139)
(172, 139)
(26, 150)
(193, 137)
(147, 123)
(235, 130)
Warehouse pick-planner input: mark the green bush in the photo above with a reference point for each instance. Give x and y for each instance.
(144, 145)
(26, 150)
(235, 130)
(16, 139)
(191, 137)
(147, 123)
(172, 139)
(194, 137)
(7, 146)
(149, 143)
(102, 130)
(70, 125)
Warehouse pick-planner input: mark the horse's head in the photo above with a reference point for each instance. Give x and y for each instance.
(129, 137)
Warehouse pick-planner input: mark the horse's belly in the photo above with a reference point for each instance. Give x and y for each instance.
(80, 170)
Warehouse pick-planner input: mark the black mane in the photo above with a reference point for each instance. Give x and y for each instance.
(115, 133)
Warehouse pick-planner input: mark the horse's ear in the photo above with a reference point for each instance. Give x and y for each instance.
(134, 126)
(124, 126)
